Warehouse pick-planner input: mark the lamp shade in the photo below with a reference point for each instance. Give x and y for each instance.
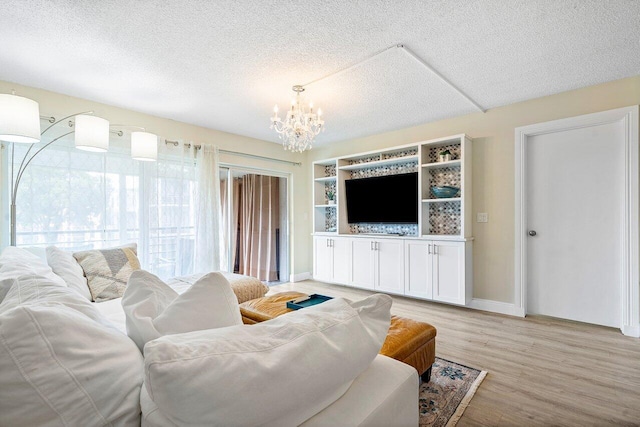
(92, 133)
(19, 119)
(144, 146)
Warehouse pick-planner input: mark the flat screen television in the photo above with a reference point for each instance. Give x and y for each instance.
(391, 199)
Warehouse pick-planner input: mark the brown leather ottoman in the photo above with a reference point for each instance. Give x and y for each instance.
(408, 341)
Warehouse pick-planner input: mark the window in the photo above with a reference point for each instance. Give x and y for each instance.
(80, 200)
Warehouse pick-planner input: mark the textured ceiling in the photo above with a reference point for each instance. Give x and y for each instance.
(223, 64)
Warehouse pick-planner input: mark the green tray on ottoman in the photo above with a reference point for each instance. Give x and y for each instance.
(312, 300)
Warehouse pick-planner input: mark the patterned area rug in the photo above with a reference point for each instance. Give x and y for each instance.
(447, 395)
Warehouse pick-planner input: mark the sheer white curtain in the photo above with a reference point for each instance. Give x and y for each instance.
(81, 200)
(168, 220)
(209, 237)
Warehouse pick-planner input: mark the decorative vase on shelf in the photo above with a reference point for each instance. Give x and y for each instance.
(331, 202)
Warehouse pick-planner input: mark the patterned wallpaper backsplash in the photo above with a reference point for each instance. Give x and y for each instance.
(405, 229)
(330, 219)
(385, 156)
(330, 170)
(444, 218)
(385, 170)
(400, 154)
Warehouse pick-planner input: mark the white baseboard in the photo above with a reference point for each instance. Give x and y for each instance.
(631, 330)
(496, 307)
(299, 277)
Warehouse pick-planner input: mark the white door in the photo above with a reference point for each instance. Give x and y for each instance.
(390, 266)
(448, 272)
(362, 263)
(575, 211)
(340, 260)
(418, 269)
(322, 259)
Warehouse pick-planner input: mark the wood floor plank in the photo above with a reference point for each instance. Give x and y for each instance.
(542, 371)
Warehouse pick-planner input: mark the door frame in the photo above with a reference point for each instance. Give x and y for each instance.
(630, 322)
(234, 167)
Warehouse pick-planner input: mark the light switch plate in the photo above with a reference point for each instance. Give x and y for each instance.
(482, 217)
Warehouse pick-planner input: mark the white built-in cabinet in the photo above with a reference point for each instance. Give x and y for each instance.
(377, 264)
(429, 260)
(331, 259)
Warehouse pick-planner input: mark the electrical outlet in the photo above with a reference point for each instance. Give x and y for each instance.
(482, 217)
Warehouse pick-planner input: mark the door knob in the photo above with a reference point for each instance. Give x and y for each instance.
(532, 233)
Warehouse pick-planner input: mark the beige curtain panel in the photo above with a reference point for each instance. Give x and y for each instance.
(256, 205)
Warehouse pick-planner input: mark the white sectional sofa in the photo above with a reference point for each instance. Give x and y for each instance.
(67, 361)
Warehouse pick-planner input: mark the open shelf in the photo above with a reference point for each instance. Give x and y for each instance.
(325, 206)
(325, 179)
(392, 161)
(442, 200)
(438, 165)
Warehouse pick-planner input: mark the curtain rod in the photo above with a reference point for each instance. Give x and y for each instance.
(238, 153)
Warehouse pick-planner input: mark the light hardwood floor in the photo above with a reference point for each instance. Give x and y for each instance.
(542, 371)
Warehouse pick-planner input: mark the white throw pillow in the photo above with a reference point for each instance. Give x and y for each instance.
(61, 363)
(153, 309)
(65, 265)
(279, 372)
(21, 264)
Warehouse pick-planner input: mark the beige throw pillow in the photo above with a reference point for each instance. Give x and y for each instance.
(108, 270)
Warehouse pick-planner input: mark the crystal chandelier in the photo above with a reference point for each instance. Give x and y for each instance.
(300, 126)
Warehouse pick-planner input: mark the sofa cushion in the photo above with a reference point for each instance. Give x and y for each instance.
(154, 309)
(108, 270)
(18, 263)
(61, 363)
(65, 265)
(279, 372)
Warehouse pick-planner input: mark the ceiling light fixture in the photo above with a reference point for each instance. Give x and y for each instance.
(300, 126)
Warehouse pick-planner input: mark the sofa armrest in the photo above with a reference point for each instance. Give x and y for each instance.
(386, 394)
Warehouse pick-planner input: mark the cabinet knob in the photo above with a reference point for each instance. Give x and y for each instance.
(532, 233)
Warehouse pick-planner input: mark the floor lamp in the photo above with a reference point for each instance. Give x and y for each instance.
(20, 124)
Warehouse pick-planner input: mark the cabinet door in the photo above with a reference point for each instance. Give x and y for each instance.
(418, 281)
(362, 263)
(341, 259)
(448, 272)
(322, 259)
(390, 266)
